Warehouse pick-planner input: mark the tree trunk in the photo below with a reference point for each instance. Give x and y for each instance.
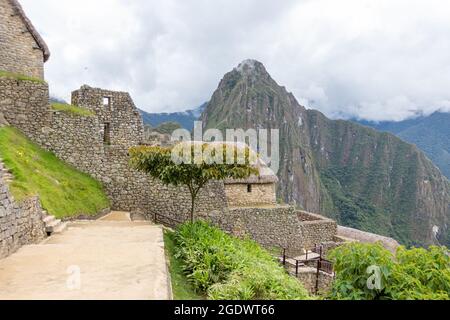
(194, 193)
(193, 196)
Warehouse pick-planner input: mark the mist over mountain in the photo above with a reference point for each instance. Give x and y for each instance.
(363, 178)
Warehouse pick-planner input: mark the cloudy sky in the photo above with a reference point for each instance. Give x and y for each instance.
(379, 59)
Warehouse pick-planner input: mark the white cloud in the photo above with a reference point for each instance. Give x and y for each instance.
(352, 57)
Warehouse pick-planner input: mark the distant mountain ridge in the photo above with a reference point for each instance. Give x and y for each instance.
(362, 178)
(186, 119)
(430, 133)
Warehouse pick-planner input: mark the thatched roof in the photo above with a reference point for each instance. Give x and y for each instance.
(37, 37)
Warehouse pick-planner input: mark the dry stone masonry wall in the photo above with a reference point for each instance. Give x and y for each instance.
(312, 283)
(20, 223)
(281, 227)
(246, 195)
(81, 142)
(24, 104)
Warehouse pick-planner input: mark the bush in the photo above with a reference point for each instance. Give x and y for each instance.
(415, 274)
(226, 268)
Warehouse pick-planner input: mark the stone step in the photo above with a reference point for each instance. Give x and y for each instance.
(52, 226)
(60, 228)
(48, 219)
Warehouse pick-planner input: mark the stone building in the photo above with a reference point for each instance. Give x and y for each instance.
(121, 121)
(22, 49)
(253, 191)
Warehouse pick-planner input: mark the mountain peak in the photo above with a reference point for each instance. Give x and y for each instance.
(250, 66)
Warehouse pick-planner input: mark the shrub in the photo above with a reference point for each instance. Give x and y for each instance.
(415, 274)
(226, 268)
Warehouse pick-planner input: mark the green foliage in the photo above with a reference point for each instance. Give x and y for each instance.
(19, 77)
(227, 268)
(421, 274)
(351, 263)
(74, 110)
(63, 191)
(415, 274)
(429, 133)
(181, 288)
(196, 172)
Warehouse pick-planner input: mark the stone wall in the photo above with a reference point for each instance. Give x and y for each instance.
(79, 141)
(308, 276)
(19, 52)
(175, 203)
(245, 195)
(20, 223)
(316, 232)
(278, 227)
(24, 104)
(125, 123)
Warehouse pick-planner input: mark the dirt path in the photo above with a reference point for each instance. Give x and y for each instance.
(112, 258)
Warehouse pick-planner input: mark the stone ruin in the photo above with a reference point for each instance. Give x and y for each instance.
(98, 145)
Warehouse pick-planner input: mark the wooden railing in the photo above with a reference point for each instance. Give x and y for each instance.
(321, 264)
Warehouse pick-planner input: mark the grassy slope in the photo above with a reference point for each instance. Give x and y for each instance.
(64, 191)
(181, 288)
(70, 109)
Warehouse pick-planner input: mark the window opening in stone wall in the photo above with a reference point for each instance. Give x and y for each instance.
(107, 102)
(249, 188)
(107, 134)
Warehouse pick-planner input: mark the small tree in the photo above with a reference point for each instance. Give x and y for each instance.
(197, 170)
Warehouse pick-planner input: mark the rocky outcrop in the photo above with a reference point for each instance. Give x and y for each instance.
(361, 178)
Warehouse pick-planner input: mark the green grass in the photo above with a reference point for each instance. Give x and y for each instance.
(75, 110)
(63, 190)
(19, 77)
(181, 288)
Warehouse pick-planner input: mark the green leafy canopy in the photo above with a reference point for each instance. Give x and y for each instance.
(411, 274)
(203, 163)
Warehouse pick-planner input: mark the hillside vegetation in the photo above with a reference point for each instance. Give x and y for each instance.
(63, 191)
(430, 133)
(222, 267)
(370, 272)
